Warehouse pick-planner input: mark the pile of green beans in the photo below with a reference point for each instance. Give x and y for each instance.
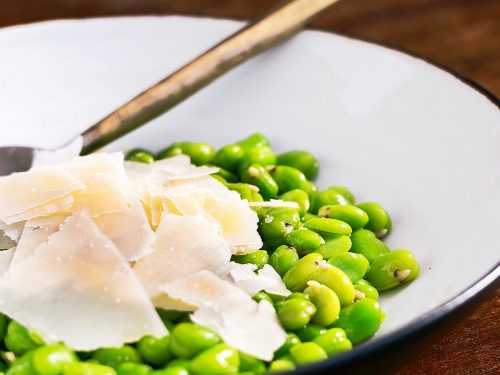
(329, 252)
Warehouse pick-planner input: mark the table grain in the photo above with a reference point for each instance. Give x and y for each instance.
(463, 35)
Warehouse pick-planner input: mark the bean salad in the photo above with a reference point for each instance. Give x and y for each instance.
(327, 248)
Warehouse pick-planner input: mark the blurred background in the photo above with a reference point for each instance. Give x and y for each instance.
(463, 35)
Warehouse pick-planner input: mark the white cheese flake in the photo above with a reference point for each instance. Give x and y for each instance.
(36, 232)
(35, 188)
(6, 259)
(245, 277)
(129, 230)
(244, 324)
(77, 288)
(184, 245)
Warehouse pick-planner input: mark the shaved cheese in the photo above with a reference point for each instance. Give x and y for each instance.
(12, 231)
(184, 245)
(129, 230)
(6, 259)
(275, 203)
(245, 325)
(98, 172)
(267, 279)
(221, 207)
(57, 205)
(180, 168)
(77, 288)
(35, 188)
(35, 233)
(107, 189)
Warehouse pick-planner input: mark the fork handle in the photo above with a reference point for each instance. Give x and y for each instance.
(281, 23)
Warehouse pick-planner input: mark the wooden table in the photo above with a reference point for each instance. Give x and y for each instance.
(461, 34)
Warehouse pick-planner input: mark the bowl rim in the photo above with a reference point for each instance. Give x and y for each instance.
(425, 321)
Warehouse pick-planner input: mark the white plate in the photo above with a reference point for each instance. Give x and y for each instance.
(393, 128)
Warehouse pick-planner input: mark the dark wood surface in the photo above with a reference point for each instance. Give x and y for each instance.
(463, 35)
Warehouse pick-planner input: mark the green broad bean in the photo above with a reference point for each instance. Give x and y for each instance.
(131, 368)
(276, 223)
(155, 351)
(229, 177)
(220, 359)
(188, 340)
(171, 371)
(360, 320)
(244, 190)
(334, 341)
(326, 301)
(174, 149)
(200, 153)
(345, 192)
(4, 321)
(302, 160)
(291, 340)
(171, 315)
(184, 363)
(259, 296)
(325, 225)
(281, 365)
(334, 245)
(298, 196)
(335, 279)
(298, 295)
(307, 352)
(52, 359)
(311, 189)
(22, 366)
(258, 258)
(308, 216)
(352, 215)
(253, 140)
(365, 290)
(229, 157)
(19, 340)
(87, 368)
(379, 221)
(304, 240)
(296, 278)
(310, 331)
(114, 356)
(327, 197)
(283, 258)
(392, 269)
(257, 175)
(288, 178)
(140, 155)
(354, 265)
(260, 155)
(252, 364)
(296, 313)
(313, 267)
(365, 242)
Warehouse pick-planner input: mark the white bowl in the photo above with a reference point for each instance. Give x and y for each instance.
(392, 127)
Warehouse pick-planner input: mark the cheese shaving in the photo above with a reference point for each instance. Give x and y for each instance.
(35, 188)
(245, 325)
(6, 259)
(184, 245)
(245, 277)
(77, 288)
